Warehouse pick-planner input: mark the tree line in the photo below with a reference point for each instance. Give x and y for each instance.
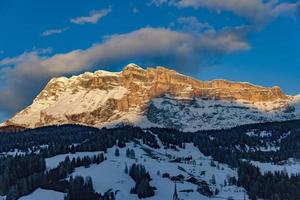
(50, 179)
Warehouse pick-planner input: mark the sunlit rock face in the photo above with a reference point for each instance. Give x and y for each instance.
(153, 97)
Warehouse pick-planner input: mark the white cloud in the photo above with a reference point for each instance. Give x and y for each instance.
(21, 78)
(150, 43)
(191, 24)
(9, 61)
(92, 18)
(25, 75)
(53, 31)
(257, 11)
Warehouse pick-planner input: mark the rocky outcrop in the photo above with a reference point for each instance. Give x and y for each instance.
(102, 97)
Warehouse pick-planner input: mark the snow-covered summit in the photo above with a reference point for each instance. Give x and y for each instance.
(133, 66)
(154, 97)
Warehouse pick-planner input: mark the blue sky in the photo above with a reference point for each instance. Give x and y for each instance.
(241, 40)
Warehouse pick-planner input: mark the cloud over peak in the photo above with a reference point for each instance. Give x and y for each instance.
(25, 75)
(151, 45)
(93, 17)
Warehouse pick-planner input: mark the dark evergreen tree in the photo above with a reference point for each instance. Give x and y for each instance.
(117, 152)
(142, 181)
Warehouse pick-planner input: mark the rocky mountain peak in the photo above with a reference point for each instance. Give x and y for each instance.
(134, 95)
(132, 66)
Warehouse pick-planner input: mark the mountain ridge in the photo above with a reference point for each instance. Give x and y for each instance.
(143, 97)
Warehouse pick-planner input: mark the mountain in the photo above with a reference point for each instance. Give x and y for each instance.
(154, 97)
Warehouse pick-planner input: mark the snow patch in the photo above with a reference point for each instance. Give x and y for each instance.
(41, 194)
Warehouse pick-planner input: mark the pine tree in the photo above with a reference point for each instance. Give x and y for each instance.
(213, 180)
(158, 173)
(13, 193)
(127, 153)
(89, 183)
(117, 152)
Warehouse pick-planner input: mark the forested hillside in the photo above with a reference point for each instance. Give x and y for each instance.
(24, 153)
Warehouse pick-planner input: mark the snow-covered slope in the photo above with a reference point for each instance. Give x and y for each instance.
(154, 97)
(200, 114)
(39, 194)
(110, 173)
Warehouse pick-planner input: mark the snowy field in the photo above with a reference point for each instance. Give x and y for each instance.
(41, 194)
(110, 173)
(291, 167)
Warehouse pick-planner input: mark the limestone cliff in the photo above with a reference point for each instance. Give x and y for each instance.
(104, 98)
